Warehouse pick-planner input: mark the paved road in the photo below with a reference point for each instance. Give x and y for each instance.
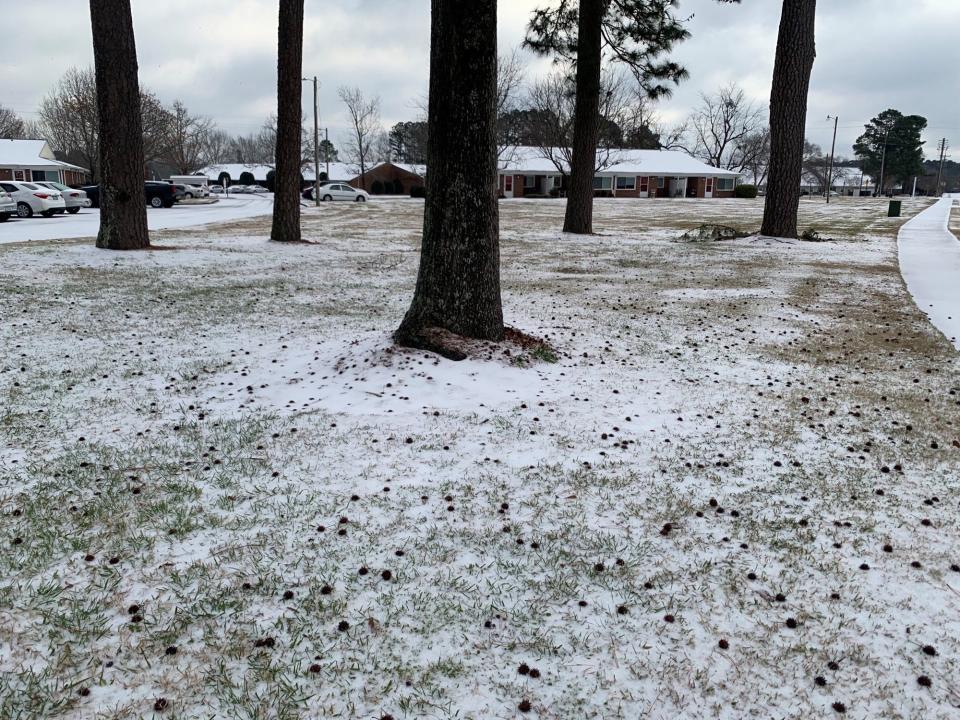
(86, 223)
(930, 265)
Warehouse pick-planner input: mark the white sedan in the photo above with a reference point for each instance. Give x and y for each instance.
(32, 198)
(75, 199)
(8, 206)
(341, 191)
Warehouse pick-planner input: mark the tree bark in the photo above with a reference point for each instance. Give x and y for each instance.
(286, 195)
(586, 119)
(458, 284)
(796, 50)
(123, 206)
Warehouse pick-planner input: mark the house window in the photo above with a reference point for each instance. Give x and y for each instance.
(627, 183)
(18, 175)
(529, 182)
(709, 185)
(644, 184)
(724, 183)
(508, 183)
(661, 183)
(602, 182)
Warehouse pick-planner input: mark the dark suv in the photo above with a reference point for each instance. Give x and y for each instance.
(159, 194)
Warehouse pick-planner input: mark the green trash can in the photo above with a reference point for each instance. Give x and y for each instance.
(894, 209)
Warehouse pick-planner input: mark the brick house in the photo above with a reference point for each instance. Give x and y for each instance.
(33, 160)
(526, 171)
(398, 177)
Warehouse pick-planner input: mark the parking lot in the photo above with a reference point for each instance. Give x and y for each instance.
(86, 223)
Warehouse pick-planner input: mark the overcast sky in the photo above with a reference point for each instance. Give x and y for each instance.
(219, 56)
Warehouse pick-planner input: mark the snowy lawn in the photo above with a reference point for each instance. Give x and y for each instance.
(734, 494)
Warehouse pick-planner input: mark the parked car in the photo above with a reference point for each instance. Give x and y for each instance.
(216, 189)
(237, 189)
(257, 189)
(159, 194)
(190, 191)
(340, 191)
(32, 198)
(8, 206)
(75, 199)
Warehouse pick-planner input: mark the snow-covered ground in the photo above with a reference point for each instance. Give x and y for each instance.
(734, 494)
(86, 223)
(930, 264)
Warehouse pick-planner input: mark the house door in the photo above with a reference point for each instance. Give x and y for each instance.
(508, 186)
(708, 188)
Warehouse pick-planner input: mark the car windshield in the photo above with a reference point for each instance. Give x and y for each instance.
(57, 186)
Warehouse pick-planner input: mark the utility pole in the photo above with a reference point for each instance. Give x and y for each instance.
(316, 143)
(833, 148)
(943, 152)
(883, 163)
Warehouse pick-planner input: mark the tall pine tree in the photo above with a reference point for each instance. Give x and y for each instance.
(286, 196)
(458, 284)
(123, 207)
(796, 50)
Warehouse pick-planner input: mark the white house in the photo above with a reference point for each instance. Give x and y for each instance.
(28, 160)
(526, 171)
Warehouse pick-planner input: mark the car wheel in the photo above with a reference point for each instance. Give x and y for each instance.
(156, 202)
(361, 198)
(73, 210)
(4, 217)
(24, 210)
(189, 196)
(327, 198)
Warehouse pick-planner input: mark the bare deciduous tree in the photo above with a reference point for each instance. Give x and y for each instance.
(11, 125)
(68, 120)
(187, 139)
(361, 143)
(722, 121)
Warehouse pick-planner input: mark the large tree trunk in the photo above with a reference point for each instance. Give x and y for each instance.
(586, 119)
(796, 51)
(123, 205)
(286, 195)
(458, 285)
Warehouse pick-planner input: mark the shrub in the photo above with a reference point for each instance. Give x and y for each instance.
(555, 192)
(247, 178)
(397, 186)
(745, 191)
(603, 193)
(418, 191)
(377, 187)
(223, 178)
(271, 180)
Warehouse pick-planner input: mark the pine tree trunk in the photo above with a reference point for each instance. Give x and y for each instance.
(458, 285)
(123, 206)
(286, 195)
(586, 119)
(796, 51)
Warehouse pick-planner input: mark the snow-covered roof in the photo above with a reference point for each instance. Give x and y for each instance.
(531, 160)
(338, 171)
(31, 154)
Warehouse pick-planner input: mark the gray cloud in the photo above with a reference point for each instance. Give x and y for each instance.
(219, 56)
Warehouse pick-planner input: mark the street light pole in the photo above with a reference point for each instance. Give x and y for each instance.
(316, 143)
(833, 148)
(883, 162)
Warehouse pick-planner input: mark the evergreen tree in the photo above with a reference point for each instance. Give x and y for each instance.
(796, 50)
(635, 33)
(123, 206)
(900, 134)
(286, 197)
(458, 283)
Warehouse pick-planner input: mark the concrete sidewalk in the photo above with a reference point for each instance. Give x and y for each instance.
(930, 265)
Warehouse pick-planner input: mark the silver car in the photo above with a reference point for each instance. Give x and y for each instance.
(8, 206)
(75, 199)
